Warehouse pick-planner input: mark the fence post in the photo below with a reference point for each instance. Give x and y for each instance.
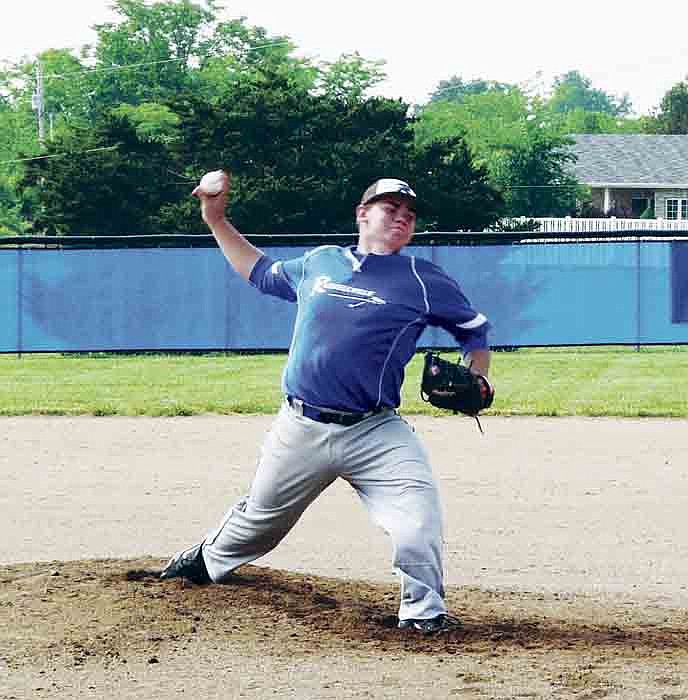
(637, 294)
(20, 300)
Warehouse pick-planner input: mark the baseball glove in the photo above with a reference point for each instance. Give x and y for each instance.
(453, 387)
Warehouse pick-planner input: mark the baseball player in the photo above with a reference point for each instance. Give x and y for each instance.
(361, 310)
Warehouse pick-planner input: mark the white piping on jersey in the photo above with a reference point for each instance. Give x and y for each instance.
(421, 283)
(474, 323)
(389, 355)
(309, 254)
(299, 311)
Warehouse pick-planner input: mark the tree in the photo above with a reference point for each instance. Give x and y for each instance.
(455, 89)
(580, 121)
(456, 195)
(18, 137)
(11, 221)
(534, 178)
(574, 91)
(518, 143)
(156, 51)
(299, 160)
(350, 77)
(672, 117)
(105, 181)
(178, 93)
(147, 55)
(299, 163)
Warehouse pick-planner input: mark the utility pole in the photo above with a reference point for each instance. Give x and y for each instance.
(39, 103)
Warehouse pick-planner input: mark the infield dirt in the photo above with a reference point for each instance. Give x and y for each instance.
(566, 557)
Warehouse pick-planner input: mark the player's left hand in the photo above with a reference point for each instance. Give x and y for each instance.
(454, 387)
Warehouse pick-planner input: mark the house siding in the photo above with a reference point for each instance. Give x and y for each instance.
(660, 200)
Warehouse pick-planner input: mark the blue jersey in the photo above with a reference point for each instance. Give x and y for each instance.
(359, 318)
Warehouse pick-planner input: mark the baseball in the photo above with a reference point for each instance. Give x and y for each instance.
(212, 182)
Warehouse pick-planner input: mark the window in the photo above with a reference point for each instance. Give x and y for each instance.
(676, 208)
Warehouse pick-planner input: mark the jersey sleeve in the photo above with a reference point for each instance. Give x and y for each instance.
(449, 308)
(277, 278)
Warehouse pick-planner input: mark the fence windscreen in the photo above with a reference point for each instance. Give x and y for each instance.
(617, 292)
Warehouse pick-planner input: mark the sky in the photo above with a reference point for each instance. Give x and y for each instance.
(622, 48)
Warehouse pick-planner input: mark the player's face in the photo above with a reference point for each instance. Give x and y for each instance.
(386, 225)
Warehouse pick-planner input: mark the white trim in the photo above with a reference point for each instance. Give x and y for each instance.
(421, 283)
(637, 185)
(681, 207)
(474, 323)
(389, 354)
(297, 322)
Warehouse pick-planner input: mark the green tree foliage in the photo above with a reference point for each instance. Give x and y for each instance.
(161, 39)
(168, 92)
(299, 160)
(534, 177)
(17, 135)
(514, 138)
(455, 194)
(455, 89)
(350, 77)
(581, 121)
(151, 121)
(67, 106)
(177, 47)
(672, 117)
(68, 100)
(97, 189)
(573, 90)
(179, 93)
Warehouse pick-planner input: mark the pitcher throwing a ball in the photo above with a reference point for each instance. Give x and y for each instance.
(361, 310)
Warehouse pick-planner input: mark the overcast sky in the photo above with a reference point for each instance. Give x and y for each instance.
(622, 47)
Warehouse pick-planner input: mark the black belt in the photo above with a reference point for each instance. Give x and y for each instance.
(327, 415)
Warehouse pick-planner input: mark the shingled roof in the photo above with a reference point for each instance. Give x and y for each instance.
(631, 160)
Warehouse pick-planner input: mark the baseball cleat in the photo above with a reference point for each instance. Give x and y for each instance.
(187, 564)
(434, 625)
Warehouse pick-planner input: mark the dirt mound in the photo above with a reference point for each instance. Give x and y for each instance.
(114, 612)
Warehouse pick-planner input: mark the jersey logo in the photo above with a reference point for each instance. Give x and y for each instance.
(325, 285)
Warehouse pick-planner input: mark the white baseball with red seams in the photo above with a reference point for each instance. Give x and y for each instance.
(212, 182)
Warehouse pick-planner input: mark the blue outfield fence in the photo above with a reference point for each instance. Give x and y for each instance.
(66, 300)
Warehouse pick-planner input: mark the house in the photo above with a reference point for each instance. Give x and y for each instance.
(628, 173)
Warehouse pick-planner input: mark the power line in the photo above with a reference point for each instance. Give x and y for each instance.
(58, 155)
(142, 64)
(535, 187)
(111, 69)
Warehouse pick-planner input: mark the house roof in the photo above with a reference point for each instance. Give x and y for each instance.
(631, 160)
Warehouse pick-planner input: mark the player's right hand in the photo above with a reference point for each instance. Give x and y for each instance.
(213, 205)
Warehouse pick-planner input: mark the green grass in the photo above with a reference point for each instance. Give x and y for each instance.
(605, 381)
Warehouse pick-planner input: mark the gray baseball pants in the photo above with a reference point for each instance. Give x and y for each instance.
(383, 460)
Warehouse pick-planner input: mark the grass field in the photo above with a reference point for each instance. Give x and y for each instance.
(603, 381)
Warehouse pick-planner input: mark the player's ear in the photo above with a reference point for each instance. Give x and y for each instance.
(361, 213)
